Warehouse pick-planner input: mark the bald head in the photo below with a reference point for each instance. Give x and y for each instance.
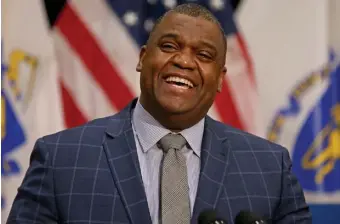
(193, 10)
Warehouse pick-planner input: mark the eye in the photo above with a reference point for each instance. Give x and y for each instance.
(168, 46)
(205, 55)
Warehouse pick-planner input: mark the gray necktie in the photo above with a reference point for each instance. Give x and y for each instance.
(174, 203)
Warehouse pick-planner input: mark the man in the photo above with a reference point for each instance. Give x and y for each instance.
(162, 159)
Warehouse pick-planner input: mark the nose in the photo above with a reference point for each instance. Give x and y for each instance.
(184, 60)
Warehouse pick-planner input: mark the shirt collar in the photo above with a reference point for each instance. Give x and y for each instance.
(149, 131)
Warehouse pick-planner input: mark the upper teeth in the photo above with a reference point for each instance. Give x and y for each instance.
(180, 80)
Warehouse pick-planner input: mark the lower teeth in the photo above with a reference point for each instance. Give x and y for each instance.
(179, 84)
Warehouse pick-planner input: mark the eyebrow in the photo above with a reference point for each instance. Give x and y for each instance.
(176, 36)
(169, 35)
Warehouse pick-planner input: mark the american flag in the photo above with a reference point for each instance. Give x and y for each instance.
(97, 46)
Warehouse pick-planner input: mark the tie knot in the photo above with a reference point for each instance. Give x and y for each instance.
(172, 141)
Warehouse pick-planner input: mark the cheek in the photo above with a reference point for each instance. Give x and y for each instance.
(157, 63)
(210, 87)
(151, 70)
(210, 78)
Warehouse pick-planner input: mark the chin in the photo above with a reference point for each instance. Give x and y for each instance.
(175, 107)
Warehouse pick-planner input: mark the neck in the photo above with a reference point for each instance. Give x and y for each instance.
(175, 122)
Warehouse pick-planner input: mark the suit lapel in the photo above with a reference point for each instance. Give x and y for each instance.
(120, 148)
(121, 151)
(214, 167)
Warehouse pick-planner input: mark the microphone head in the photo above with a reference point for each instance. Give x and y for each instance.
(246, 217)
(210, 217)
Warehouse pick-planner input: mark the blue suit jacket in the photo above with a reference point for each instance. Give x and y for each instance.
(90, 174)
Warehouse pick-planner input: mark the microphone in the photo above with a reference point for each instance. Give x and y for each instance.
(246, 217)
(210, 217)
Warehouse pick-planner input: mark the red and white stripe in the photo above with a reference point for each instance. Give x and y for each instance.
(241, 82)
(238, 102)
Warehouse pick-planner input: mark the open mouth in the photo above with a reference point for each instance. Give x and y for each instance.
(179, 82)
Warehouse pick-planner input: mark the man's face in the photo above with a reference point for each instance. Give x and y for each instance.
(182, 66)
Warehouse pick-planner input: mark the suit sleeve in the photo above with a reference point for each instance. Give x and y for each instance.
(293, 207)
(35, 199)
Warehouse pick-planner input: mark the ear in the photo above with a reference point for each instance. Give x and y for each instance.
(220, 79)
(142, 54)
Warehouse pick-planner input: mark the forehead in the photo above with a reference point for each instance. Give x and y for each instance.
(189, 27)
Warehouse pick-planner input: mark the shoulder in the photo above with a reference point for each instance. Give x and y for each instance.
(90, 133)
(68, 147)
(242, 140)
(251, 151)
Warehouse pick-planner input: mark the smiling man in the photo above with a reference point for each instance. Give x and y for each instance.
(162, 159)
(182, 67)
